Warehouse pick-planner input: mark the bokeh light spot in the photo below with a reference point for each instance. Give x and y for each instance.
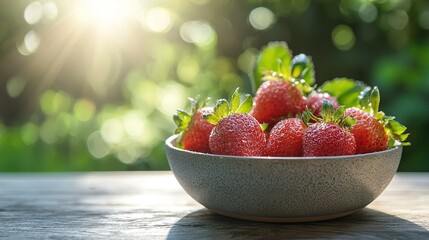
(84, 109)
(261, 18)
(33, 12)
(188, 69)
(368, 12)
(50, 11)
(133, 125)
(158, 20)
(398, 20)
(343, 37)
(31, 43)
(247, 59)
(48, 133)
(63, 124)
(54, 102)
(15, 86)
(29, 133)
(173, 97)
(112, 131)
(128, 155)
(97, 147)
(198, 32)
(424, 19)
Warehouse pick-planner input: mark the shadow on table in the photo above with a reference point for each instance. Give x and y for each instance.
(203, 224)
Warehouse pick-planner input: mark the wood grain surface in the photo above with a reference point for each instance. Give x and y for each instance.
(152, 205)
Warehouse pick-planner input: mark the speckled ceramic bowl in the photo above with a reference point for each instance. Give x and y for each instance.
(283, 189)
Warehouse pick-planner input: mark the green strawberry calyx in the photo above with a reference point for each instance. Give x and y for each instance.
(277, 58)
(223, 108)
(369, 101)
(182, 119)
(330, 115)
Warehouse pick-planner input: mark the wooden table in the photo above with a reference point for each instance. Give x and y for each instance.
(152, 205)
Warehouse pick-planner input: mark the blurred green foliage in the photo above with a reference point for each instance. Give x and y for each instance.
(78, 96)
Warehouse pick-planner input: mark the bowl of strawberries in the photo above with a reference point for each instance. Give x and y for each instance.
(293, 153)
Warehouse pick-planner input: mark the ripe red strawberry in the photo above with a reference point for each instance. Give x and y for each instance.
(329, 136)
(193, 129)
(286, 138)
(315, 102)
(328, 139)
(373, 128)
(368, 131)
(277, 98)
(236, 132)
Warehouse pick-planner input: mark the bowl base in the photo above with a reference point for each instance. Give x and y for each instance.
(283, 219)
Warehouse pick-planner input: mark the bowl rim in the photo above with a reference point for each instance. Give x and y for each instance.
(169, 143)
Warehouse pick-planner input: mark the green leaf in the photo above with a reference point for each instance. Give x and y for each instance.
(345, 90)
(268, 60)
(365, 99)
(404, 136)
(281, 67)
(222, 108)
(375, 100)
(246, 106)
(177, 120)
(396, 127)
(184, 116)
(235, 101)
(211, 118)
(396, 132)
(302, 67)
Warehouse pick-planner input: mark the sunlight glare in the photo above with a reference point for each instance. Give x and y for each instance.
(106, 14)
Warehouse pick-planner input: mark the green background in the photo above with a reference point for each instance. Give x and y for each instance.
(79, 95)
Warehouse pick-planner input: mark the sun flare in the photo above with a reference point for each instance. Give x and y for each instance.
(106, 14)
